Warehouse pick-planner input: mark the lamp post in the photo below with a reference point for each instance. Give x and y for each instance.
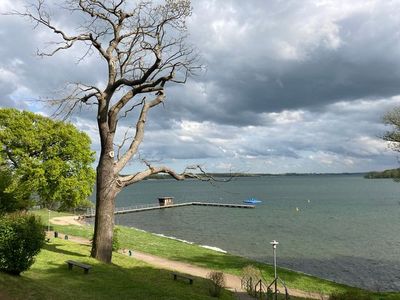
(48, 222)
(274, 244)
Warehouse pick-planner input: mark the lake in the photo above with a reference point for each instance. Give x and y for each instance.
(343, 228)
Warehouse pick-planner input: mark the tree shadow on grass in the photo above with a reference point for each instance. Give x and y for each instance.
(56, 248)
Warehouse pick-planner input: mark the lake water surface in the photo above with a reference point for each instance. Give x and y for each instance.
(342, 228)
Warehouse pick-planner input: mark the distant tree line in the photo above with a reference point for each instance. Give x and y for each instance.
(392, 173)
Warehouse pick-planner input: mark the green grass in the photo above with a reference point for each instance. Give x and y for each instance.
(146, 242)
(44, 214)
(125, 278)
(175, 250)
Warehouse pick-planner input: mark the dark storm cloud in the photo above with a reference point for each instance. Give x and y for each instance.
(355, 57)
(289, 85)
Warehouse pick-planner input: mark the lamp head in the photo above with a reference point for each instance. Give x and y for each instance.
(274, 244)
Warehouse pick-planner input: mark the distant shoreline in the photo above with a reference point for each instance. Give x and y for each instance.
(234, 175)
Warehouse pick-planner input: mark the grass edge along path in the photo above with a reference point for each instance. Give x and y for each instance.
(139, 240)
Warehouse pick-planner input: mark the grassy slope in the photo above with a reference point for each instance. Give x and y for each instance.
(126, 278)
(147, 242)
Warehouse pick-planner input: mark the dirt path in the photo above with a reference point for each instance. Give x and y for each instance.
(233, 282)
(67, 220)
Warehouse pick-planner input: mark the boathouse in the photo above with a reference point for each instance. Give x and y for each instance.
(165, 201)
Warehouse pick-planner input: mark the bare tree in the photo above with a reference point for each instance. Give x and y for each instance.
(392, 118)
(144, 47)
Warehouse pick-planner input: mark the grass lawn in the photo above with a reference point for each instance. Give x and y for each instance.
(146, 242)
(126, 278)
(44, 214)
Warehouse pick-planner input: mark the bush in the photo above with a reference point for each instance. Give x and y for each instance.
(350, 295)
(21, 238)
(250, 276)
(217, 283)
(115, 242)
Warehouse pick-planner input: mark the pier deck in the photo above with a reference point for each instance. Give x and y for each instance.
(127, 210)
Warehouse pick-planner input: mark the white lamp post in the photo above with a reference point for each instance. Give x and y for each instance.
(274, 244)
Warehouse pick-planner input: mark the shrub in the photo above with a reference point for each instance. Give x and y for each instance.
(21, 238)
(115, 242)
(250, 276)
(349, 295)
(217, 283)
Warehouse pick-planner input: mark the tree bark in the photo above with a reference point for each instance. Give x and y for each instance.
(106, 191)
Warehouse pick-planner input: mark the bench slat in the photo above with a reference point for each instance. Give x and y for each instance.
(85, 267)
(176, 275)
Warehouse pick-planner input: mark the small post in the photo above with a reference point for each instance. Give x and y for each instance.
(274, 244)
(48, 221)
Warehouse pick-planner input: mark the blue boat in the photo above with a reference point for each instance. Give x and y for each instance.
(252, 201)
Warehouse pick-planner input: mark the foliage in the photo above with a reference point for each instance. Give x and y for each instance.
(116, 244)
(11, 200)
(21, 238)
(392, 173)
(47, 159)
(250, 276)
(217, 283)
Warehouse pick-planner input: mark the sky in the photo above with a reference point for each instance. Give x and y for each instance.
(288, 86)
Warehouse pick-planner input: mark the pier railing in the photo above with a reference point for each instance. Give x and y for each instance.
(92, 211)
(138, 206)
(145, 207)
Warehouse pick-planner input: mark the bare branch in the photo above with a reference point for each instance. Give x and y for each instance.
(124, 140)
(189, 172)
(140, 124)
(79, 94)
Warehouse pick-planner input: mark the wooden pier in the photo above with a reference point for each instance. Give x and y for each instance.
(127, 210)
(223, 205)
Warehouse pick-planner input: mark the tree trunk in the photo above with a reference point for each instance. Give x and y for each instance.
(106, 191)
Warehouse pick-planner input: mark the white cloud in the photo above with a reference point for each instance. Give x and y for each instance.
(9, 5)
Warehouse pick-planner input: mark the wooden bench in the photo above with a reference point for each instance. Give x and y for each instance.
(176, 275)
(71, 263)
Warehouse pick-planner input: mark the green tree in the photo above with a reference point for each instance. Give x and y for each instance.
(44, 159)
(11, 200)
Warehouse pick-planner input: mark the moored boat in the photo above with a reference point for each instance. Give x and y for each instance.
(252, 201)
